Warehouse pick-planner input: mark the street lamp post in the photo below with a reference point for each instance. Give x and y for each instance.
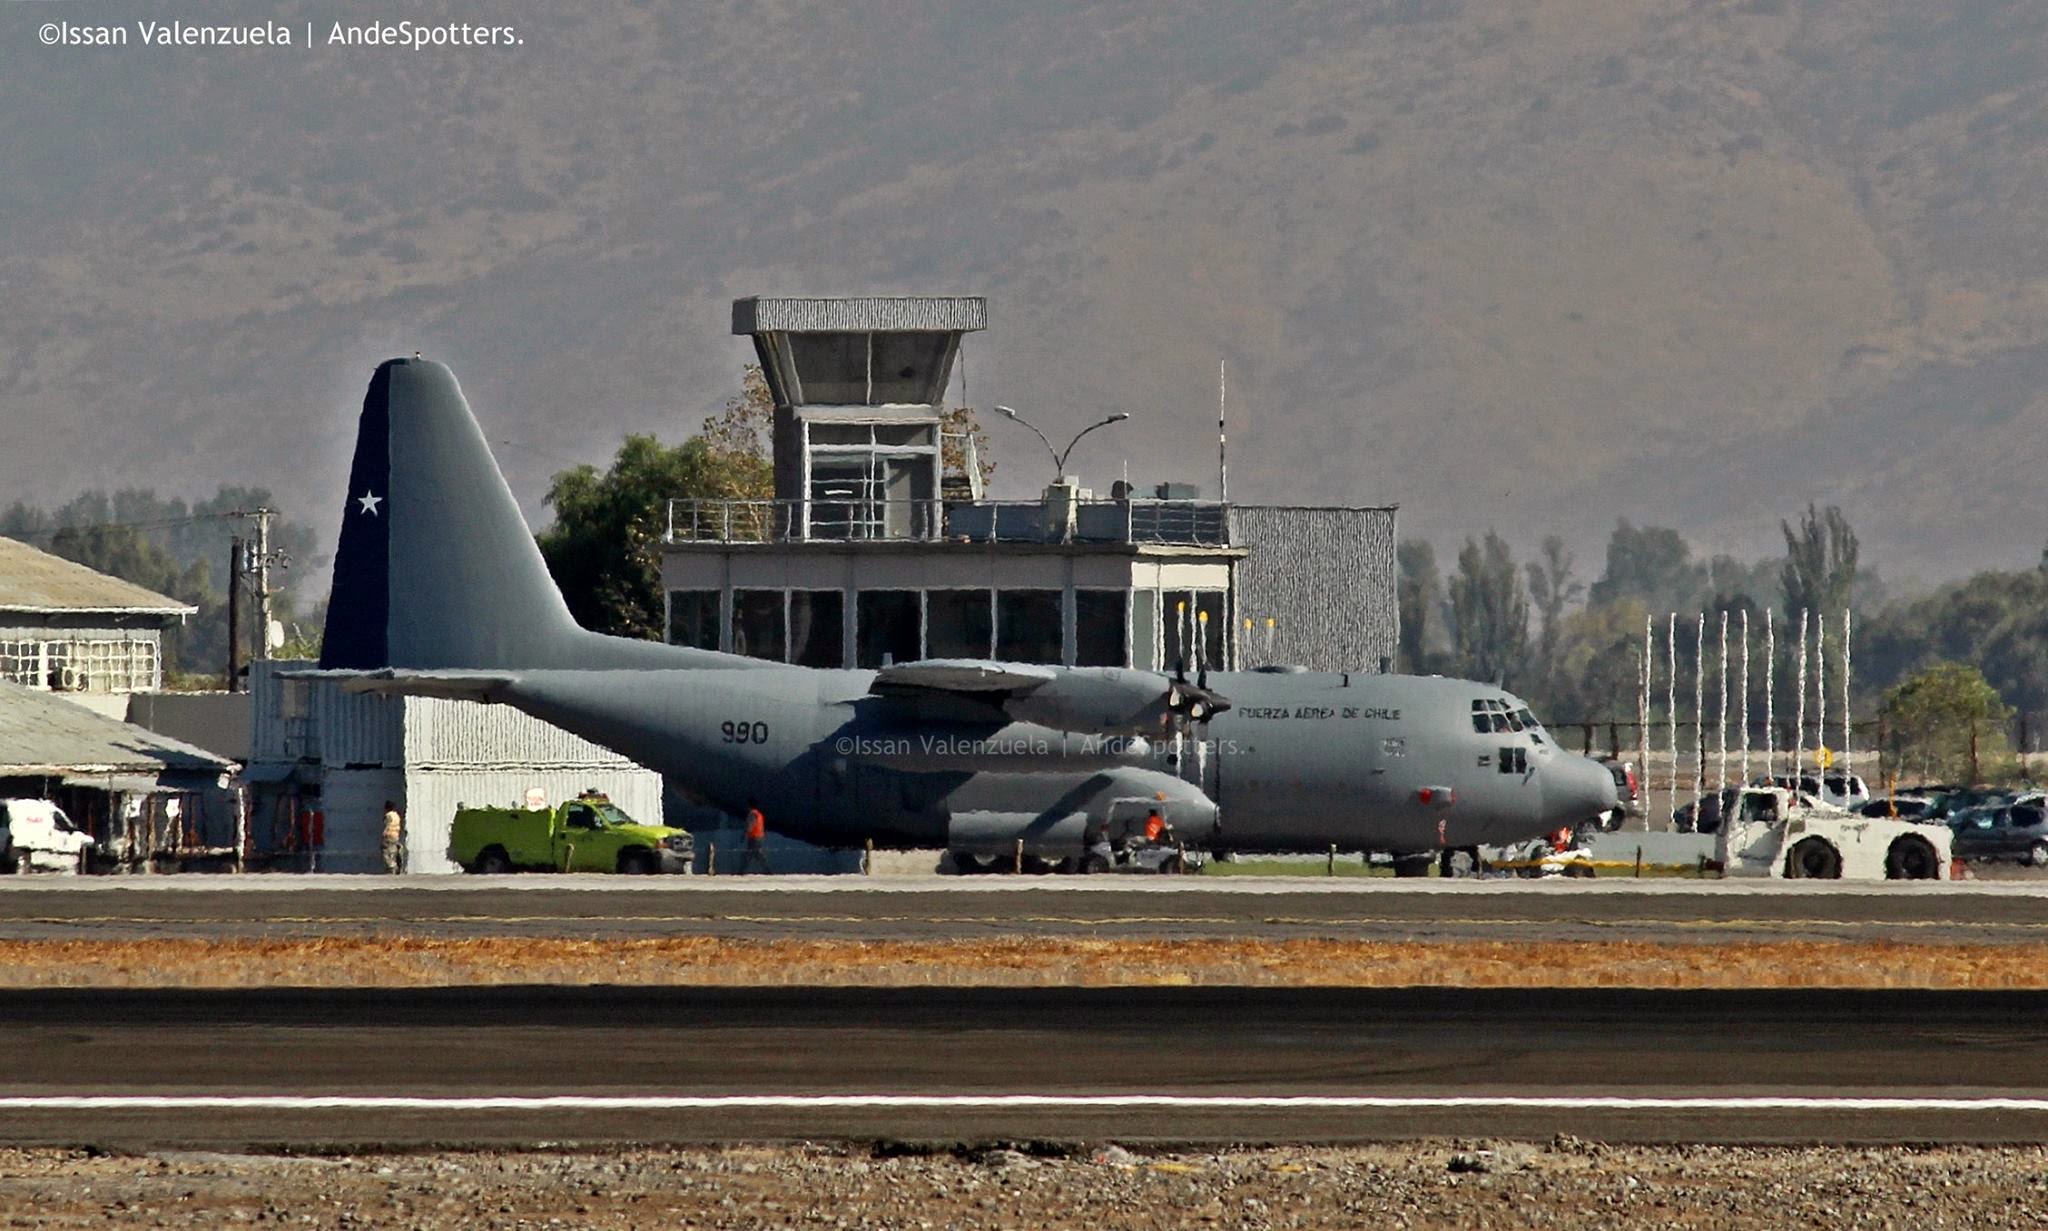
(1059, 456)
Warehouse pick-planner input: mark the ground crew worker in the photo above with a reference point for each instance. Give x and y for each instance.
(757, 829)
(394, 838)
(1154, 826)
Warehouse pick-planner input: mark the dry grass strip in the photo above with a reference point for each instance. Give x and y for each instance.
(1039, 962)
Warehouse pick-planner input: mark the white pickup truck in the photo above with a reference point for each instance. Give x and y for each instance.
(1775, 832)
(35, 835)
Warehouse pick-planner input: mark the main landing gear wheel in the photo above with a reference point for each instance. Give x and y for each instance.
(1093, 862)
(1413, 865)
(965, 864)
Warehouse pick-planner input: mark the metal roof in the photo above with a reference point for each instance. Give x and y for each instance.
(42, 734)
(38, 582)
(860, 314)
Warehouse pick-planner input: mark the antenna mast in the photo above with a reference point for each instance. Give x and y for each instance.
(1222, 404)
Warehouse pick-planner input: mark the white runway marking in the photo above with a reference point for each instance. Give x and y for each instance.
(1071, 1102)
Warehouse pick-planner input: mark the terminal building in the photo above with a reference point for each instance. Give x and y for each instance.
(864, 556)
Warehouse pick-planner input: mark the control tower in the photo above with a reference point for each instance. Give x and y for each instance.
(859, 386)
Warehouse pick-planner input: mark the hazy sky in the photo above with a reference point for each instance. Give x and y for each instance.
(1533, 266)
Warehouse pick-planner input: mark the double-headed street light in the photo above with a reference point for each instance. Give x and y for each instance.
(1059, 457)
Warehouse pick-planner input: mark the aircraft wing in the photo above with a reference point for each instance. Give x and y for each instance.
(1095, 700)
(963, 675)
(449, 685)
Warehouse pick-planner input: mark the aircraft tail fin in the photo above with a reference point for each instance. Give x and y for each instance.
(436, 567)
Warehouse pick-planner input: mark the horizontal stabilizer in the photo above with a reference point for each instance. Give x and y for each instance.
(489, 687)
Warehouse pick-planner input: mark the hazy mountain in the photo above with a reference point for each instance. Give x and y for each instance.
(1536, 266)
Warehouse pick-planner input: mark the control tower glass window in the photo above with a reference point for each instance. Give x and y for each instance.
(889, 627)
(959, 624)
(816, 635)
(1099, 628)
(757, 629)
(1028, 626)
(1180, 615)
(693, 618)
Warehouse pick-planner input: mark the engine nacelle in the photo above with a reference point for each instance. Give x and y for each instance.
(1117, 807)
(1018, 748)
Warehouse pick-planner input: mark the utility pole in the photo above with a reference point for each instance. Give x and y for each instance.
(263, 591)
(253, 563)
(235, 565)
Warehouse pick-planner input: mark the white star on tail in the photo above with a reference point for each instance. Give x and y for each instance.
(369, 502)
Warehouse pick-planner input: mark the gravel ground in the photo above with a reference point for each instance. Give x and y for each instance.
(1564, 1184)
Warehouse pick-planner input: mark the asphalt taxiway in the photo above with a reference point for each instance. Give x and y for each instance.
(516, 1065)
(979, 908)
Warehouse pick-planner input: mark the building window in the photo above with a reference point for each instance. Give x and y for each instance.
(888, 628)
(1028, 626)
(693, 618)
(1145, 630)
(757, 624)
(109, 665)
(959, 624)
(23, 662)
(1181, 619)
(1099, 628)
(871, 481)
(817, 636)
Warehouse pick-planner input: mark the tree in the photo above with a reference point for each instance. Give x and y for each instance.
(1596, 674)
(1552, 588)
(1652, 564)
(1820, 563)
(1489, 612)
(1945, 723)
(746, 426)
(604, 546)
(1419, 594)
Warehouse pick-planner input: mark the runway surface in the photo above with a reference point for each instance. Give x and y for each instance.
(520, 1065)
(934, 908)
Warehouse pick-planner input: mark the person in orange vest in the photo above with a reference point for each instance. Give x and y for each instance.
(757, 829)
(1155, 825)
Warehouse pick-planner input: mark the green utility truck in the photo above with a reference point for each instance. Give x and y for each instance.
(585, 834)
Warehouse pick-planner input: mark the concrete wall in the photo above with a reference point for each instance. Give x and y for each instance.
(1327, 577)
(215, 721)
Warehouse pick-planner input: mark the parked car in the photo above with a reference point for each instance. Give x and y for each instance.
(1845, 791)
(1703, 815)
(35, 835)
(1905, 807)
(1627, 791)
(2002, 831)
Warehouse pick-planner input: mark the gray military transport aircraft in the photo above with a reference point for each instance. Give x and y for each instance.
(440, 591)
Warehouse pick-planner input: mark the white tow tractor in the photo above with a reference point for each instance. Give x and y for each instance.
(36, 836)
(1775, 832)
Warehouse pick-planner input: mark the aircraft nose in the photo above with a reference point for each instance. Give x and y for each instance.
(1576, 789)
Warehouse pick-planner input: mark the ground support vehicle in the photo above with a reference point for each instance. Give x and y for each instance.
(585, 834)
(36, 836)
(1774, 832)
